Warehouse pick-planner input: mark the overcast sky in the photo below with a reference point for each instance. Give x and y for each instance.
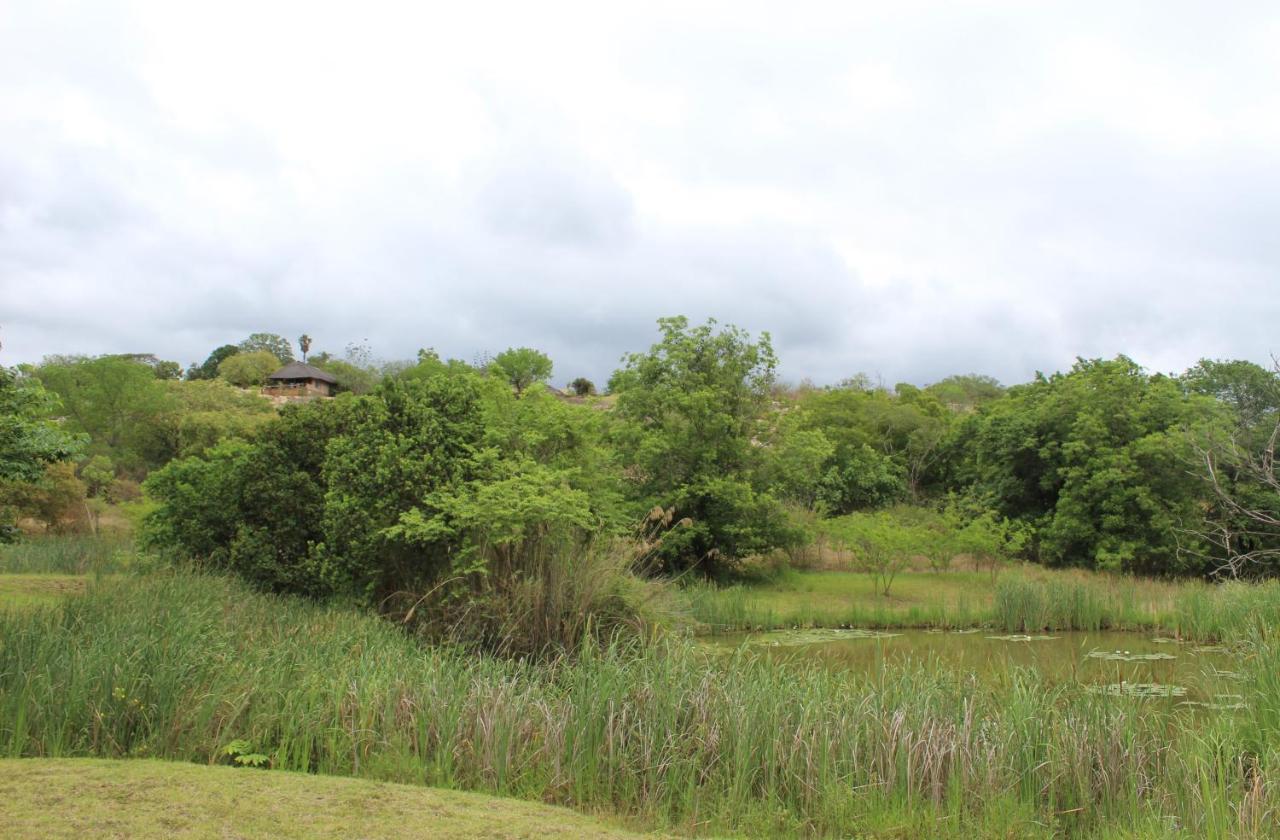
(909, 189)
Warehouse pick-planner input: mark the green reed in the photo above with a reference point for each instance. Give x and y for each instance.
(177, 665)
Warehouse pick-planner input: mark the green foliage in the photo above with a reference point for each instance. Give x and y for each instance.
(209, 368)
(966, 392)
(98, 475)
(56, 499)
(521, 367)
(793, 465)
(1094, 461)
(859, 479)
(886, 444)
(881, 544)
(447, 479)
(351, 377)
(271, 343)
(248, 369)
(688, 414)
(175, 665)
(28, 442)
(582, 387)
(167, 370)
(1251, 391)
(241, 753)
(117, 402)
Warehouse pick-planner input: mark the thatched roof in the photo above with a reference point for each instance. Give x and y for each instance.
(298, 370)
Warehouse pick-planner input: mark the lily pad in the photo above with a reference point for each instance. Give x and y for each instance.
(1138, 690)
(789, 638)
(1125, 656)
(1209, 649)
(1164, 640)
(1019, 637)
(1220, 703)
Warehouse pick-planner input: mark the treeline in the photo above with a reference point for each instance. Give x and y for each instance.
(697, 457)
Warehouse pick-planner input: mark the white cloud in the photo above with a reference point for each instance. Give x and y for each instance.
(912, 189)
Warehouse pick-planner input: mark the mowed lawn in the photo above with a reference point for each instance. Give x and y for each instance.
(26, 591)
(55, 798)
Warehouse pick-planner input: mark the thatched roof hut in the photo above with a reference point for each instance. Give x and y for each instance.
(298, 379)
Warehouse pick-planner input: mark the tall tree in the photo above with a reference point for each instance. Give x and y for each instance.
(270, 343)
(116, 401)
(688, 412)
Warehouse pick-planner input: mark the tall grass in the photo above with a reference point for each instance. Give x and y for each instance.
(1190, 609)
(67, 555)
(179, 665)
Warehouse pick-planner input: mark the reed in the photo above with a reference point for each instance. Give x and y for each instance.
(68, 554)
(178, 665)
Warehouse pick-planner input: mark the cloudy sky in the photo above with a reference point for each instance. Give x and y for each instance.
(909, 189)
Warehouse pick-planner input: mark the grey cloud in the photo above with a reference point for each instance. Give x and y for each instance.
(908, 192)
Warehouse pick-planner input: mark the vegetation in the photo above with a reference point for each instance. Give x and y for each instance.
(517, 572)
(660, 733)
(248, 370)
(687, 413)
(520, 367)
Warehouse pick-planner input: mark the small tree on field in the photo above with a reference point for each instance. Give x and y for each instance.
(990, 541)
(521, 366)
(937, 542)
(881, 546)
(582, 387)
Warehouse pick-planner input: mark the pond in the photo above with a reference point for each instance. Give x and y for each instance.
(1129, 664)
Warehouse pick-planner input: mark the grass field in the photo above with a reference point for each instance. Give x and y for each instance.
(159, 799)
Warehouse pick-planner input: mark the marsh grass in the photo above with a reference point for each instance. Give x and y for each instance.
(1029, 599)
(178, 665)
(68, 555)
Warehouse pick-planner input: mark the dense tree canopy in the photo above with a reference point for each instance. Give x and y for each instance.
(1094, 461)
(688, 414)
(437, 468)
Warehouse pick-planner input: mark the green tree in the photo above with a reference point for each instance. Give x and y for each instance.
(55, 499)
(582, 387)
(116, 401)
(966, 392)
(268, 343)
(521, 367)
(28, 441)
(248, 369)
(881, 545)
(688, 411)
(208, 369)
(1093, 461)
(1249, 390)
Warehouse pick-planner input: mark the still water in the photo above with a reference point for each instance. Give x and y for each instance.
(1130, 664)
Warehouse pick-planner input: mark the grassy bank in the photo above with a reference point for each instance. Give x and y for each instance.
(179, 666)
(159, 799)
(1021, 600)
